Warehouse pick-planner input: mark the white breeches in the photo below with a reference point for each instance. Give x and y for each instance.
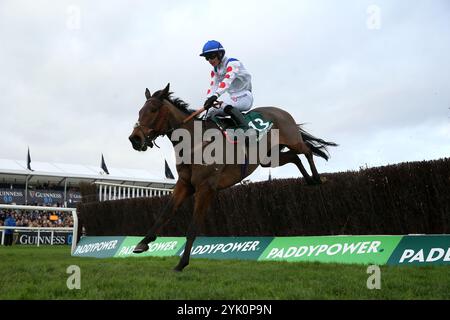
(242, 101)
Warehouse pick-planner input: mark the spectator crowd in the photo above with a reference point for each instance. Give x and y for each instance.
(36, 218)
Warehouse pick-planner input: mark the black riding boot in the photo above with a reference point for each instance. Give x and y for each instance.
(237, 116)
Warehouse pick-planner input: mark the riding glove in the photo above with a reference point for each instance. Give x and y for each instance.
(210, 102)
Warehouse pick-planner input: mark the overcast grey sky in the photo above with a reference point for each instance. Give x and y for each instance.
(373, 76)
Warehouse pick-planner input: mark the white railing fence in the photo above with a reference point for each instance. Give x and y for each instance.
(52, 231)
(74, 230)
(114, 191)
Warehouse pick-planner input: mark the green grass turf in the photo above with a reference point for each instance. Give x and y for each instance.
(28, 272)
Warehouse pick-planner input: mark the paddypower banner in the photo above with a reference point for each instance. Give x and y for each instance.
(341, 249)
(380, 250)
(422, 250)
(161, 247)
(241, 248)
(98, 247)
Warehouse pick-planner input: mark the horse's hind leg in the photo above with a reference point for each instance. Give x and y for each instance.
(181, 191)
(302, 148)
(315, 173)
(292, 157)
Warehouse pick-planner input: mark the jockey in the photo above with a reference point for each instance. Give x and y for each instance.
(230, 84)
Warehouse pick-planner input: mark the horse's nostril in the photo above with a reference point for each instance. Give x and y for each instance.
(135, 141)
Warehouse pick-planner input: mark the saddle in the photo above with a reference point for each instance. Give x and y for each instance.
(225, 122)
(254, 120)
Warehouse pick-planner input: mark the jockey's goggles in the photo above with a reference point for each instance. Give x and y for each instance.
(211, 56)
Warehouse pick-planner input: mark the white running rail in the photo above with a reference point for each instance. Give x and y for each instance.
(114, 191)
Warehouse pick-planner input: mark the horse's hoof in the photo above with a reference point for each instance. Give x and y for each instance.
(179, 268)
(141, 247)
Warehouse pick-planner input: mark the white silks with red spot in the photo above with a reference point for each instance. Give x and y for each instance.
(231, 77)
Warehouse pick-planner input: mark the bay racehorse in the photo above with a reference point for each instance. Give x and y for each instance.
(162, 114)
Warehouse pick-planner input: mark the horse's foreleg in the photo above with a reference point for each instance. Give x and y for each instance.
(203, 199)
(180, 193)
(190, 238)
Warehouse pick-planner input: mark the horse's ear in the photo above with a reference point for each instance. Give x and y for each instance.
(165, 92)
(148, 95)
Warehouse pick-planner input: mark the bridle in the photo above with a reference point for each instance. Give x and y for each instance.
(158, 123)
(147, 140)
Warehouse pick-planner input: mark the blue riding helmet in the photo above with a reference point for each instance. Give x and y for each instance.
(211, 46)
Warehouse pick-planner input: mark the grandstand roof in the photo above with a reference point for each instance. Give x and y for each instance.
(15, 171)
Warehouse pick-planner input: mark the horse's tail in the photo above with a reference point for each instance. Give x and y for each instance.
(317, 146)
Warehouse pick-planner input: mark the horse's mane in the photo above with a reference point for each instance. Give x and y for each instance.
(178, 103)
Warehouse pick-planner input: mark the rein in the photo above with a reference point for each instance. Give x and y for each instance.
(159, 123)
